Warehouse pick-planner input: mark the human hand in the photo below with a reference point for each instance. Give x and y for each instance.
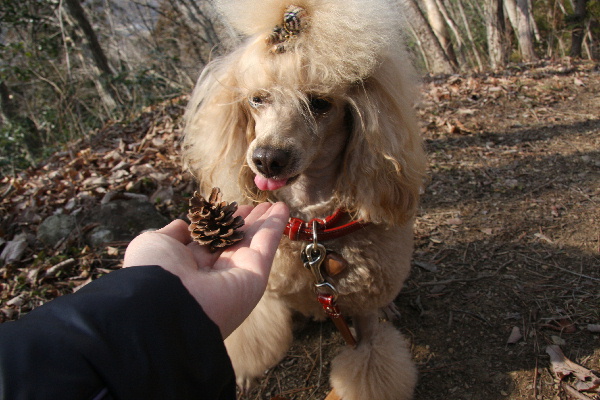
(227, 284)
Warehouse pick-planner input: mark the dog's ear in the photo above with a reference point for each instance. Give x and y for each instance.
(217, 131)
(384, 164)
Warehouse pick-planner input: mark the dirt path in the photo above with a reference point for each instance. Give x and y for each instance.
(511, 221)
(508, 234)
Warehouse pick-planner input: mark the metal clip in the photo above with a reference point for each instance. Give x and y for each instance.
(313, 255)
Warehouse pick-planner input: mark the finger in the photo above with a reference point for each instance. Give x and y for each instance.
(178, 230)
(221, 259)
(264, 237)
(243, 211)
(256, 218)
(251, 264)
(267, 236)
(251, 225)
(257, 250)
(252, 214)
(255, 214)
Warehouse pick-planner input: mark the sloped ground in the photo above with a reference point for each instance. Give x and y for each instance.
(511, 220)
(508, 233)
(139, 157)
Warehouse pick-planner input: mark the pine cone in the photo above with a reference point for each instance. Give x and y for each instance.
(212, 221)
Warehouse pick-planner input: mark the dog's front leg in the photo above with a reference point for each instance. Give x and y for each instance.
(380, 367)
(261, 341)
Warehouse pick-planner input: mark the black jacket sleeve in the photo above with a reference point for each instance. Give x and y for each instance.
(135, 333)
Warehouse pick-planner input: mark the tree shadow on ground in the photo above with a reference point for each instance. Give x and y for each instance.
(460, 317)
(509, 224)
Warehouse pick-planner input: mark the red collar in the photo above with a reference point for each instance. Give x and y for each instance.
(327, 229)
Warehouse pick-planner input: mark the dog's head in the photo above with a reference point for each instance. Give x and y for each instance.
(298, 134)
(325, 87)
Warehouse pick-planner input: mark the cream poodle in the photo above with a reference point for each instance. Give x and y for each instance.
(315, 108)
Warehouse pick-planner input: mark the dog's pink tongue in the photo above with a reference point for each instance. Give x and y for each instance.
(269, 183)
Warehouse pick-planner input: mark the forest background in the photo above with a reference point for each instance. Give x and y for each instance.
(67, 67)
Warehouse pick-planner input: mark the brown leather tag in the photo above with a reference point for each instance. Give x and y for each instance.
(335, 264)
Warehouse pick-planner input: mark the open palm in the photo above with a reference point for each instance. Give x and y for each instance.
(227, 284)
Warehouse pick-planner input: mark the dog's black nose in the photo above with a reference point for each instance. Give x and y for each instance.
(269, 161)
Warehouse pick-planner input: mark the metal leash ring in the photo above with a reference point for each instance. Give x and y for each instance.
(314, 233)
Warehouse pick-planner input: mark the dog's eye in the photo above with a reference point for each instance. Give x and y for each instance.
(319, 105)
(256, 101)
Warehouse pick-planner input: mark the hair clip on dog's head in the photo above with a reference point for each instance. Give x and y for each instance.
(294, 21)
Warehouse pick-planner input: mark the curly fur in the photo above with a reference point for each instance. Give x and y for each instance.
(362, 153)
(390, 373)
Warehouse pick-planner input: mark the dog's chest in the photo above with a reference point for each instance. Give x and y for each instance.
(373, 263)
(292, 275)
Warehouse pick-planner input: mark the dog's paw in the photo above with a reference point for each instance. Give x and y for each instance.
(380, 367)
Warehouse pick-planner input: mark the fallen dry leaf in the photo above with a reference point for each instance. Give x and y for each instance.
(426, 266)
(52, 271)
(595, 328)
(564, 325)
(17, 301)
(515, 335)
(112, 251)
(558, 340)
(586, 381)
(13, 251)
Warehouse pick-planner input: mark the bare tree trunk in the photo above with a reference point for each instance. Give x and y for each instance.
(510, 8)
(590, 45)
(554, 8)
(534, 27)
(440, 29)
(470, 34)
(420, 45)
(477, 5)
(494, 19)
(525, 30)
(560, 39)
(100, 69)
(578, 32)
(450, 21)
(518, 12)
(433, 52)
(78, 14)
(460, 42)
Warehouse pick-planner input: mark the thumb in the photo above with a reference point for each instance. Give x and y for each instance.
(178, 230)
